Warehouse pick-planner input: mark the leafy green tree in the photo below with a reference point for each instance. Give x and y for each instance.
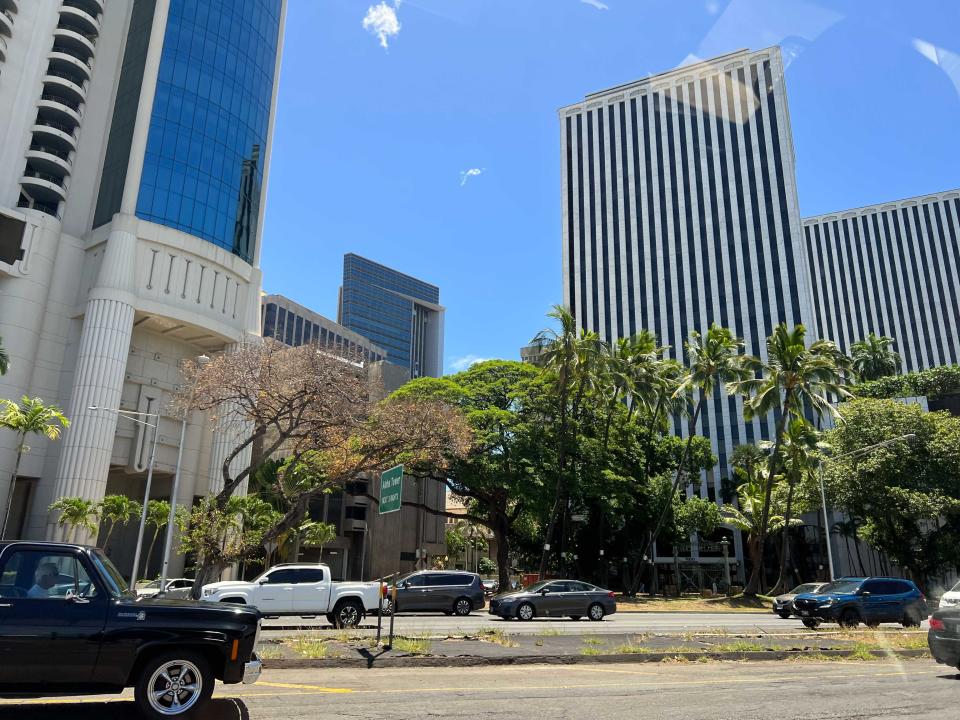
(30, 417)
(792, 378)
(712, 359)
(317, 534)
(456, 541)
(117, 510)
(874, 357)
(486, 566)
(906, 494)
(76, 514)
(748, 517)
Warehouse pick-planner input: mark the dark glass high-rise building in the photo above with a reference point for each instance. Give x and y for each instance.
(399, 313)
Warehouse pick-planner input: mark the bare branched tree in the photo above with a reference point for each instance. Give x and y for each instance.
(319, 408)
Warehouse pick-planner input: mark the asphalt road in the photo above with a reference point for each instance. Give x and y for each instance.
(633, 622)
(717, 691)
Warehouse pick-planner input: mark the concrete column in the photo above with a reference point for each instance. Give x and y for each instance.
(98, 379)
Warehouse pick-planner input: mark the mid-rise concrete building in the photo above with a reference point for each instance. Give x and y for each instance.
(134, 152)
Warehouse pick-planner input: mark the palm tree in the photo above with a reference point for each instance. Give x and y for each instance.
(572, 358)
(77, 514)
(158, 514)
(4, 359)
(30, 417)
(117, 509)
(794, 377)
(799, 460)
(748, 518)
(316, 534)
(874, 357)
(712, 359)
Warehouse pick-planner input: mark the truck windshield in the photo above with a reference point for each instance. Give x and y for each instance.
(116, 585)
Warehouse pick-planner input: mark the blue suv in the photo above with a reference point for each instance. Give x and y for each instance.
(872, 600)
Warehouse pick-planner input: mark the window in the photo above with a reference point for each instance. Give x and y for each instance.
(580, 587)
(44, 576)
(876, 587)
(416, 581)
(308, 575)
(280, 577)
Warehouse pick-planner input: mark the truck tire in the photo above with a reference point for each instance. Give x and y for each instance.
(849, 619)
(347, 614)
(173, 684)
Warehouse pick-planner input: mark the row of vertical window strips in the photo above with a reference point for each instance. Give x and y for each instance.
(892, 271)
(362, 272)
(686, 190)
(370, 318)
(294, 330)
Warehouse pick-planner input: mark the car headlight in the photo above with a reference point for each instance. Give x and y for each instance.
(827, 603)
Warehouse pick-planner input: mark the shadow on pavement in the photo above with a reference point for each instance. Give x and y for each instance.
(218, 709)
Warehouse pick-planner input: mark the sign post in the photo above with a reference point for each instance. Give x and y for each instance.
(391, 497)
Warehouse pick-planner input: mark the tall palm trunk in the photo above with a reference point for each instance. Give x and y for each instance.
(856, 545)
(13, 485)
(153, 541)
(757, 574)
(781, 582)
(558, 490)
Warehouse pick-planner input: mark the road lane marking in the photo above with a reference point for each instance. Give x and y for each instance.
(297, 686)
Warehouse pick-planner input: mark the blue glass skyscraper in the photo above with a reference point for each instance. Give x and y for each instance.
(397, 312)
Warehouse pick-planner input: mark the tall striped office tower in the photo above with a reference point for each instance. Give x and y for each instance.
(134, 149)
(890, 269)
(680, 210)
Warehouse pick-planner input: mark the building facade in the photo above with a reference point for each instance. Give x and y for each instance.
(292, 324)
(679, 210)
(134, 155)
(367, 545)
(890, 269)
(399, 313)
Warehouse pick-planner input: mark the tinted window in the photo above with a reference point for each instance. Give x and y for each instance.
(279, 576)
(556, 587)
(876, 586)
(840, 586)
(308, 575)
(580, 587)
(437, 579)
(416, 581)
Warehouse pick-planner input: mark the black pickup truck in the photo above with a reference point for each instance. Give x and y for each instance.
(70, 625)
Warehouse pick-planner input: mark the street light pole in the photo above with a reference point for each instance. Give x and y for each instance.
(146, 493)
(823, 495)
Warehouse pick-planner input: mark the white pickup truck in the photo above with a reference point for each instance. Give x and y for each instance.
(300, 589)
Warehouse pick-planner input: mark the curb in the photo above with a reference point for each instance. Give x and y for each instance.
(474, 660)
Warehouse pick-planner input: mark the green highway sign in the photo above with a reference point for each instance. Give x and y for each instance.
(391, 489)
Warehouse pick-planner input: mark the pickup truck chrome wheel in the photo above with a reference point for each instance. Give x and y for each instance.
(173, 684)
(348, 615)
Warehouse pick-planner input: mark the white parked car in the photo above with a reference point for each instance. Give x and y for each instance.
(951, 597)
(177, 588)
(300, 589)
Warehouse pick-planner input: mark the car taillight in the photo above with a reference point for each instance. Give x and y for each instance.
(611, 594)
(937, 624)
(383, 590)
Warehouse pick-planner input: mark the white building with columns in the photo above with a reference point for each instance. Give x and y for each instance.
(134, 152)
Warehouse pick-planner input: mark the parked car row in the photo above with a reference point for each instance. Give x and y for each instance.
(854, 600)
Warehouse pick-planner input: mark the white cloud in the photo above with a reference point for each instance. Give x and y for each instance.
(381, 20)
(467, 174)
(462, 363)
(596, 3)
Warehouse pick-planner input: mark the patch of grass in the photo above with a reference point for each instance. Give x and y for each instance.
(347, 637)
(631, 649)
(738, 646)
(269, 652)
(592, 641)
(498, 637)
(412, 645)
(590, 651)
(309, 646)
(548, 632)
(861, 651)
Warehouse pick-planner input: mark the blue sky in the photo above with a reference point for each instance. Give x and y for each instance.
(379, 121)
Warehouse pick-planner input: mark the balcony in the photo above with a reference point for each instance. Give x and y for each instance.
(359, 500)
(44, 187)
(351, 525)
(54, 134)
(59, 109)
(75, 38)
(78, 14)
(3, 48)
(64, 60)
(48, 159)
(65, 84)
(6, 23)
(11, 5)
(93, 7)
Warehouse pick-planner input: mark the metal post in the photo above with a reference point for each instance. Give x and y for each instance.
(826, 523)
(168, 542)
(393, 613)
(146, 500)
(380, 609)
(725, 544)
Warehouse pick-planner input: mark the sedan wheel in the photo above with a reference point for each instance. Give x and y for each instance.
(462, 607)
(596, 612)
(525, 612)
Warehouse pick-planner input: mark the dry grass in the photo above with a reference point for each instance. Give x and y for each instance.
(548, 632)
(309, 646)
(269, 652)
(693, 603)
(590, 640)
(412, 645)
(590, 651)
(498, 637)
